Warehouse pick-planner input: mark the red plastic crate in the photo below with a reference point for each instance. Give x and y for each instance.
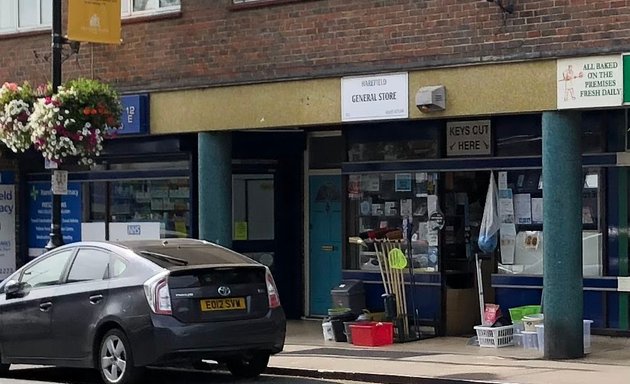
(372, 334)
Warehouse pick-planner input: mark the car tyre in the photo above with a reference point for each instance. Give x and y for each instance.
(115, 360)
(248, 366)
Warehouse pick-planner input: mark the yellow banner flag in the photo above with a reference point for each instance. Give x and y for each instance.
(94, 21)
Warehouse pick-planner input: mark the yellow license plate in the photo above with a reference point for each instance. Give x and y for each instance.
(223, 304)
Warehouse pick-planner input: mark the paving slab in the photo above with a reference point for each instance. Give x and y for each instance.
(445, 359)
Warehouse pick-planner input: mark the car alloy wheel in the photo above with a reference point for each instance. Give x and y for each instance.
(115, 359)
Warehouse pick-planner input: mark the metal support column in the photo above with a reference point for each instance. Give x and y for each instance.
(562, 235)
(215, 187)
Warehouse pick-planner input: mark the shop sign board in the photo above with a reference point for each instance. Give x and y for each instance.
(7, 224)
(376, 97)
(468, 138)
(135, 115)
(39, 212)
(589, 82)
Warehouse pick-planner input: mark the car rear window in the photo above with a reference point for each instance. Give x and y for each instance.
(169, 257)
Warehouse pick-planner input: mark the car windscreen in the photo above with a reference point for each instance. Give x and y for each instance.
(170, 257)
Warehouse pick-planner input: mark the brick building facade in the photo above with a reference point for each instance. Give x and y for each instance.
(261, 82)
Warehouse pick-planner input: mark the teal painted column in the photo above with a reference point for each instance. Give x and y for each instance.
(562, 235)
(215, 187)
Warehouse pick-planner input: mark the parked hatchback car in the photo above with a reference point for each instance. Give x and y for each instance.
(122, 306)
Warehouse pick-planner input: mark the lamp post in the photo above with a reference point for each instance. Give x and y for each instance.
(56, 239)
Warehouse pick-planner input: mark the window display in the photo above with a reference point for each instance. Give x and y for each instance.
(379, 205)
(163, 201)
(382, 205)
(521, 213)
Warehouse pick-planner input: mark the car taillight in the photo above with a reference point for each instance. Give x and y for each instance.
(158, 295)
(272, 291)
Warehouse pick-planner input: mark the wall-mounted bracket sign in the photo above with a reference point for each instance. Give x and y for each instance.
(468, 138)
(135, 115)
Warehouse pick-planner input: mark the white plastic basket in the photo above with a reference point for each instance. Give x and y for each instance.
(495, 337)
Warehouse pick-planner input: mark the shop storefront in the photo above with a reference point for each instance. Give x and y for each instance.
(401, 172)
(122, 197)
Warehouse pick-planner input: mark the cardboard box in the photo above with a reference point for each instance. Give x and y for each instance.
(462, 311)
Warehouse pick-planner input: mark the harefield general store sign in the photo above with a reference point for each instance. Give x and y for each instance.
(375, 97)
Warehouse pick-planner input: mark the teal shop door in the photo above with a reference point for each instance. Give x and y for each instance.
(324, 240)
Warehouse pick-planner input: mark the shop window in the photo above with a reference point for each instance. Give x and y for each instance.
(392, 142)
(253, 207)
(325, 152)
(522, 136)
(149, 165)
(521, 241)
(166, 203)
(97, 192)
(379, 206)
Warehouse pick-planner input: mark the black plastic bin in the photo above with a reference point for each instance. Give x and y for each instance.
(349, 294)
(337, 321)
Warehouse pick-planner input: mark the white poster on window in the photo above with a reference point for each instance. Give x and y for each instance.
(7, 230)
(93, 231)
(537, 210)
(506, 206)
(523, 208)
(507, 242)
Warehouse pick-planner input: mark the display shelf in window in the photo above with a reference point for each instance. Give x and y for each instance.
(424, 258)
(383, 202)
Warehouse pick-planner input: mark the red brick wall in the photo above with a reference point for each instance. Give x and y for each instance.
(210, 43)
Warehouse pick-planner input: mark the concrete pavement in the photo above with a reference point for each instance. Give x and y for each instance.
(444, 360)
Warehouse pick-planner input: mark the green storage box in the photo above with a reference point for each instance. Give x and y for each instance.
(517, 313)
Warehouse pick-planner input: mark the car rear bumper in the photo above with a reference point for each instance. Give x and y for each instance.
(169, 340)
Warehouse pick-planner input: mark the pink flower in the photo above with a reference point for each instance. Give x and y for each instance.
(10, 86)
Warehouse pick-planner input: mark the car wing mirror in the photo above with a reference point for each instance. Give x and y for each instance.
(13, 289)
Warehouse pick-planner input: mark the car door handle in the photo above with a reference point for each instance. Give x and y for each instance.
(95, 299)
(45, 307)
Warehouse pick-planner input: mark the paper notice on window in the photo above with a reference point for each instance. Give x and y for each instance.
(523, 208)
(502, 180)
(240, 230)
(432, 237)
(432, 202)
(507, 235)
(371, 183)
(406, 207)
(537, 210)
(506, 206)
(390, 208)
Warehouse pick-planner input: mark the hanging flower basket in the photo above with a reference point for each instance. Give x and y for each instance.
(75, 121)
(16, 105)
